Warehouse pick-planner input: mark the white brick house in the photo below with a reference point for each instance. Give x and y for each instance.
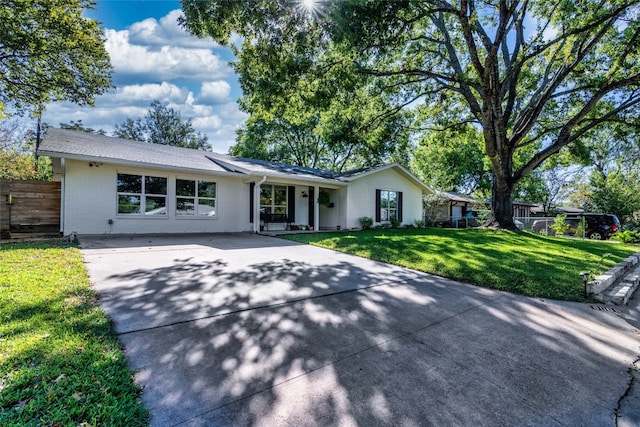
(118, 186)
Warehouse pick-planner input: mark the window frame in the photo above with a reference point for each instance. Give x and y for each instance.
(391, 212)
(384, 212)
(272, 206)
(196, 199)
(142, 196)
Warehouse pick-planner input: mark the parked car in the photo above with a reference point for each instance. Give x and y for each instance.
(597, 226)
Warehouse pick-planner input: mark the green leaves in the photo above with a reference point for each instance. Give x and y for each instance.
(50, 52)
(535, 77)
(162, 125)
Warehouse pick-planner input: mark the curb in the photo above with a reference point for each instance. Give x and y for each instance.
(618, 284)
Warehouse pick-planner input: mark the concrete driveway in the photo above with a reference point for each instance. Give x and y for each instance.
(241, 329)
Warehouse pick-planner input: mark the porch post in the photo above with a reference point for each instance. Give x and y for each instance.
(316, 209)
(256, 205)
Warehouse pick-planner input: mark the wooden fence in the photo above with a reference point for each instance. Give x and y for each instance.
(29, 209)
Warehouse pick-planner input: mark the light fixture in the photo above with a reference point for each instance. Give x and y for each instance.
(304, 194)
(96, 164)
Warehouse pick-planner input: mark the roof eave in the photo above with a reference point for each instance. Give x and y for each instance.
(258, 175)
(82, 157)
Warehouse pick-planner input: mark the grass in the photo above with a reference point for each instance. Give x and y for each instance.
(523, 263)
(60, 360)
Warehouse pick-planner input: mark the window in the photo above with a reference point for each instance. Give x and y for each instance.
(195, 198)
(138, 192)
(273, 199)
(388, 205)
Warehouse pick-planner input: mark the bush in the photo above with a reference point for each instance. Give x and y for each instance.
(395, 222)
(419, 223)
(559, 225)
(632, 225)
(581, 230)
(365, 222)
(383, 226)
(627, 236)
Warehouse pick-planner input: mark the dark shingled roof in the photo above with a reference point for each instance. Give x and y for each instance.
(87, 146)
(83, 145)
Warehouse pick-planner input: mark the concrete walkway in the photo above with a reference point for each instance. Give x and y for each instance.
(252, 330)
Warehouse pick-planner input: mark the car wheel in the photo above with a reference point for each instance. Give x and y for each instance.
(596, 235)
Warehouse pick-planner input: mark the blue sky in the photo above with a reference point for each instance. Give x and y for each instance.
(154, 58)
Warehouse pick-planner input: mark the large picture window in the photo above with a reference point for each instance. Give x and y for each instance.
(388, 205)
(141, 195)
(273, 199)
(195, 198)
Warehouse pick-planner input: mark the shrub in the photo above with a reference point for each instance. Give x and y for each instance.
(365, 222)
(627, 236)
(581, 229)
(383, 226)
(419, 223)
(395, 222)
(632, 225)
(559, 225)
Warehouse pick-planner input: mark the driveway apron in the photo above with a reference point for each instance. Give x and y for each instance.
(240, 329)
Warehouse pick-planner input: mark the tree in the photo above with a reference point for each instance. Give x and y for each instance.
(617, 193)
(17, 156)
(612, 179)
(79, 126)
(453, 160)
(50, 52)
(546, 186)
(162, 125)
(301, 114)
(535, 76)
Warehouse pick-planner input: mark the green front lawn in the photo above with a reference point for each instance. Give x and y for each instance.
(60, 361)
(523, 263)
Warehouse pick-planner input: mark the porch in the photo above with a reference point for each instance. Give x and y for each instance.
(283, 207)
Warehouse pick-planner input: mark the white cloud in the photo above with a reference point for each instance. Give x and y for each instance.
(165, 92)
(162, 62)
(209, 122)
(167, 31)
(218, 122)
(156, 59)
(215, 92)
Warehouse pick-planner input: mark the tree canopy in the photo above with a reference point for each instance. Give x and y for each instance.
(162, 125)
(453, 159)
(306, 109)
(611, 177)
(17, 154)
(50, 52)
(535, 76)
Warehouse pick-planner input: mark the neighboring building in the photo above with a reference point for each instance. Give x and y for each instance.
(538, 210)
(117, 186)
(521, 209)
(459, 209)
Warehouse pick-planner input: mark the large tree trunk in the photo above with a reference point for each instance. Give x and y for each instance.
(502, 207)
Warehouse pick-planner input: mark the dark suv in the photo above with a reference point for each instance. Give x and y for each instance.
(598, 226)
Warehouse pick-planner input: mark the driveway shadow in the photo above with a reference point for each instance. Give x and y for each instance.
(305, 336)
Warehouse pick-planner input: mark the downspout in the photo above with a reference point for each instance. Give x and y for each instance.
(63, 167)
(256, 204)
